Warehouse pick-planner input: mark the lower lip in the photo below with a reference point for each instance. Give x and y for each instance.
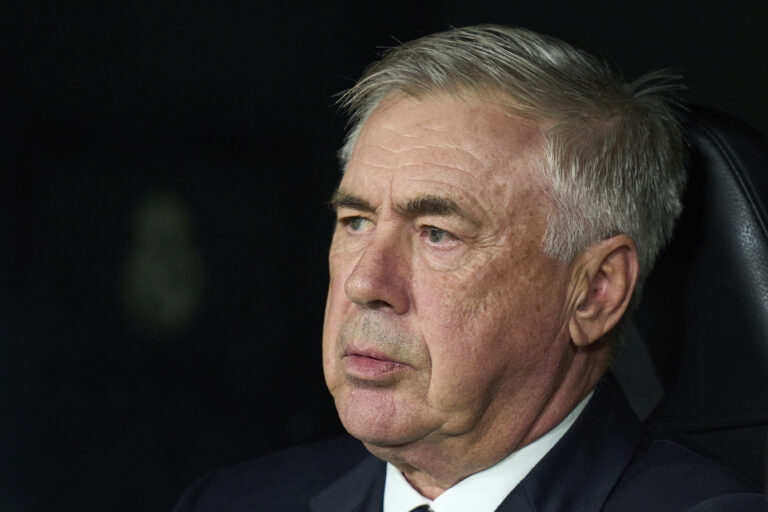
(369, 368)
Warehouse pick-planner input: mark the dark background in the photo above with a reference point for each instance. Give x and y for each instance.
(164, 172)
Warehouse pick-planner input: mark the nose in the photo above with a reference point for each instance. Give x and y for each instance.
(380, 278)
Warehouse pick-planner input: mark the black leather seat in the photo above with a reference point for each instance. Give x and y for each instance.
(704, 313)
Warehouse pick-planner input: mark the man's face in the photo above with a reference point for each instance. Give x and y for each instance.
(445, 319)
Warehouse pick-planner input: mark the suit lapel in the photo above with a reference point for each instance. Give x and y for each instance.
(580, 471)
(360, 490)
(516, 501)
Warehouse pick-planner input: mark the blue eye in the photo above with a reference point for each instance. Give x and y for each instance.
(355, 224)
(436, 235)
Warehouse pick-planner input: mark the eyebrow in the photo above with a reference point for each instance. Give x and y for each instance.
(433, 205)
(421, 205)
(344, 199)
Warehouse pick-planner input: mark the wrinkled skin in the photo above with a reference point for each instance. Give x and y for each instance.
(446, 342)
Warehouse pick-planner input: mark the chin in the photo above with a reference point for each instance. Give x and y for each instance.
(377, 418)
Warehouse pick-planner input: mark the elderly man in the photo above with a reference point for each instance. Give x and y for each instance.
(503, 197)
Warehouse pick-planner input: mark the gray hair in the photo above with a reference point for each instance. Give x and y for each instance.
(614, 155)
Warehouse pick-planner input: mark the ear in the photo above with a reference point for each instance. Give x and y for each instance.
(606, 274)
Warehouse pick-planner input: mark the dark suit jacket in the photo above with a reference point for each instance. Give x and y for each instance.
(606, 461)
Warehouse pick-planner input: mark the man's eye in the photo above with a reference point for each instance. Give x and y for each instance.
(355, 223)
(436, 235)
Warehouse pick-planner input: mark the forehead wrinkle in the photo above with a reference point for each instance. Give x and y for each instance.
(494, 124)
(463, 159)
(437, 186)
(398, 132)
(422, 130)
(377, 166)
(458, 159)
(436, 167)
(475, 156)
(465, 148)
(443, 147)
(478, 149)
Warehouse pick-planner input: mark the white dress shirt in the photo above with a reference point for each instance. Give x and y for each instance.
(483, 491)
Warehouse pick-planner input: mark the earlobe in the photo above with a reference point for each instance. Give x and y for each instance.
(607, 273)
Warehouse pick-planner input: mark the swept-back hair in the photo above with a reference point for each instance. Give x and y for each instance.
(614, 158)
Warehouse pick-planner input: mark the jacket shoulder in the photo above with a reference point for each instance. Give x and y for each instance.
(285, 480)
(671, 474)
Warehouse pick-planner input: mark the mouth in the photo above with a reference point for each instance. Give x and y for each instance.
(371, 365)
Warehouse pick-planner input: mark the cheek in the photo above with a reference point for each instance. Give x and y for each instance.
(335, 306)
(460, 322)
(489, 323)
(330, 327)
(340, 264)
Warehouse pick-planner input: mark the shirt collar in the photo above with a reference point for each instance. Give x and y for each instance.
(483, 491)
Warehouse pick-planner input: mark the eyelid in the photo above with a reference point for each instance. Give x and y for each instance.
(450, 238)
(346, 219)
(449, 233)
(426, 226)
(348, 212)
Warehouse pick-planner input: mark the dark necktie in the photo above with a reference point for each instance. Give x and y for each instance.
(423, 508)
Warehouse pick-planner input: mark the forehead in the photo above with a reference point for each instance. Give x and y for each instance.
(443, 141)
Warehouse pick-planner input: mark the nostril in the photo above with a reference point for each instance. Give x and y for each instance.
(377, 304)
